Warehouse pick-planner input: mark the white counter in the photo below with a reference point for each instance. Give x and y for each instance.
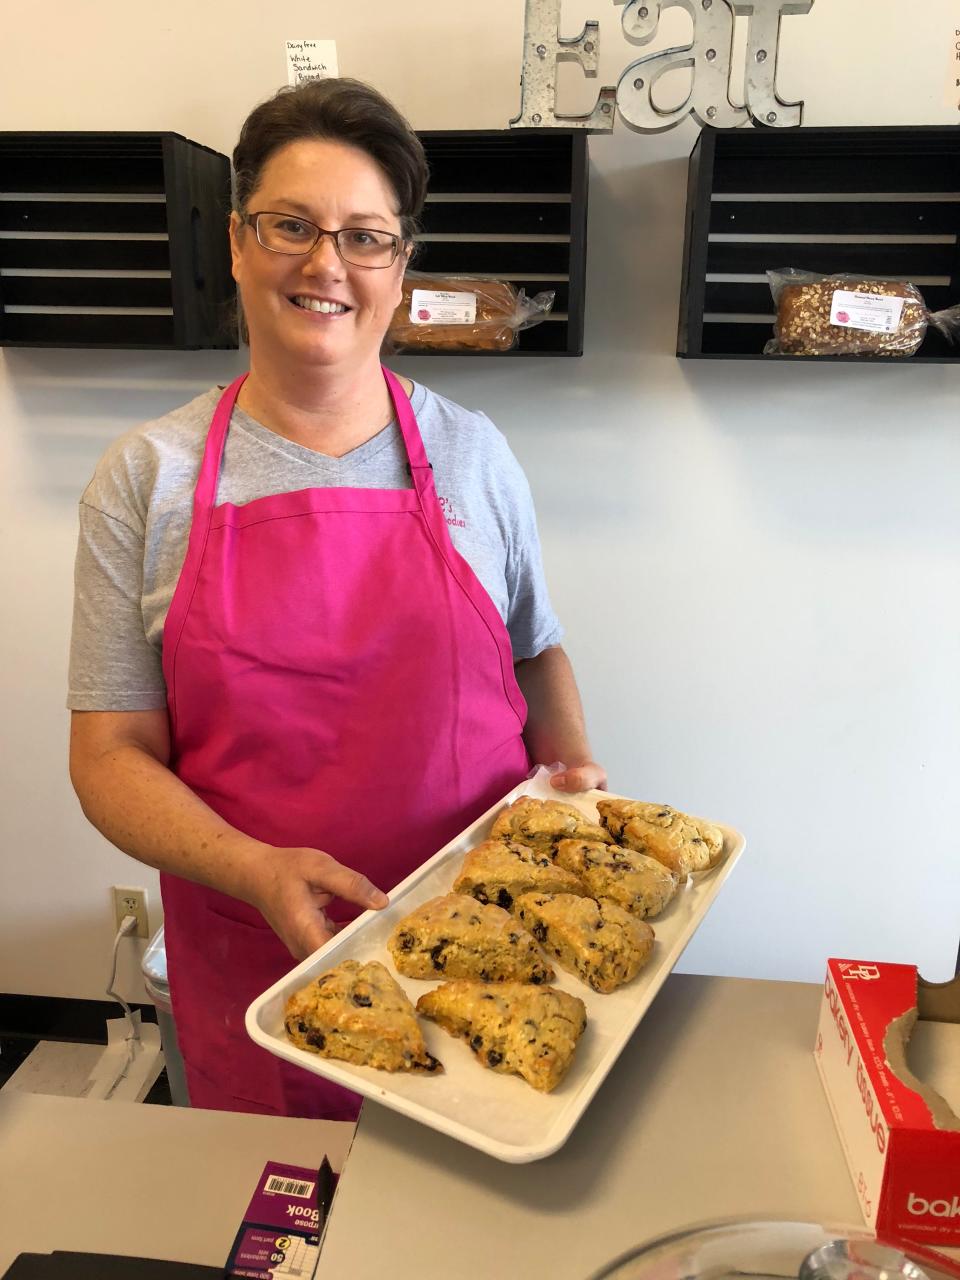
(714, 1109)
(147, 1181)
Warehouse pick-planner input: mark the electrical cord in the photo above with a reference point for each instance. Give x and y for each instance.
(127, 926)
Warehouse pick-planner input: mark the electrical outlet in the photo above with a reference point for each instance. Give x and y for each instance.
(131, 902)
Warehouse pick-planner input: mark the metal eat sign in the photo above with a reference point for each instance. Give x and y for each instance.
(709, 56)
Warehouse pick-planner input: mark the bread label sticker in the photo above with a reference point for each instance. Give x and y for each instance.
(442, 306)
(877, 312)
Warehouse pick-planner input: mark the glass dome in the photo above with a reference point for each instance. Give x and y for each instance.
(754, 1249)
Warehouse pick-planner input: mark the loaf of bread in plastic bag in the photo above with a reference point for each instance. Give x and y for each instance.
(821, 316)
(499, 312)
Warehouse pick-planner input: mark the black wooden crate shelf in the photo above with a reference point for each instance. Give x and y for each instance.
(512, 204)
(113, 240)
(880, 202)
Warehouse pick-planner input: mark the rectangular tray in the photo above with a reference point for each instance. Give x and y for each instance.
(499, 1114)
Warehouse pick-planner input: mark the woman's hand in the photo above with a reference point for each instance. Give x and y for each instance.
(582, 777)
(294, 886)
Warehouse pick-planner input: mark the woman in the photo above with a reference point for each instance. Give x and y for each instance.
(289, 687)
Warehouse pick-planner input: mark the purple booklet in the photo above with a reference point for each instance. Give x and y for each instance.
(279, 1238)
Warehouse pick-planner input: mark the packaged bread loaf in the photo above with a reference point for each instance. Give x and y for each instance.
(833, 315)
(462, 313)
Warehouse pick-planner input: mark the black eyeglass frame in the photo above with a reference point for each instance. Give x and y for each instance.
(253, 219)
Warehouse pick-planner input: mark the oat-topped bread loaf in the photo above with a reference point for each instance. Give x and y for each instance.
(500, 870)
(819, 318)
(457, 937)
(599, 942)
(525, 1031)
(357, 1013)
(682, 843)
(635, 881)
(541, 823)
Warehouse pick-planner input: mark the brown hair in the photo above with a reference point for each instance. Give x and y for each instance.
(338, 110)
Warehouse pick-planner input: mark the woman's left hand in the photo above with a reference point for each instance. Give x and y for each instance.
(581, 777)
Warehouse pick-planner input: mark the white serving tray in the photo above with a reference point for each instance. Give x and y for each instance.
(499, 1114)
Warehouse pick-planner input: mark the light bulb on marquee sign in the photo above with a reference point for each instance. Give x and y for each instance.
(709, 57)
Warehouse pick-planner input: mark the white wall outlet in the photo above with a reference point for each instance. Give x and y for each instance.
(131, 902)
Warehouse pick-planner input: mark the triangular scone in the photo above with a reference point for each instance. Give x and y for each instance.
(500, 870)
(600, 943)
(682, 843)
(525, 1031)
(541, 823)
(456, 937)
(635, 881)
(358, 1013)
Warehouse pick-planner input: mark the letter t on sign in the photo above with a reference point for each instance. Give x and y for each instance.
(543, 48)
(763, 45)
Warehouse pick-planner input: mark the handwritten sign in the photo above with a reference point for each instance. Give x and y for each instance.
(953, 70)
(311, 60)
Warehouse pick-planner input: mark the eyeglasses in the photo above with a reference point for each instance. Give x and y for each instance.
(360, 246)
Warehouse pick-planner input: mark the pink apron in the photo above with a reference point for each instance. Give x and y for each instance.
(337, 678)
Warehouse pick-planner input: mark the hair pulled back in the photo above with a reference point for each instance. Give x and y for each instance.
(336, 110)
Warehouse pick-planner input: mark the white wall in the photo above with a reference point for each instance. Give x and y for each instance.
(756, 565)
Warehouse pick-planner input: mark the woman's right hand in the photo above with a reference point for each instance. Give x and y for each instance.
(292, 888)
(119, 763)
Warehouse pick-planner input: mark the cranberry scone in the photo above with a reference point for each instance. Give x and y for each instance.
(541, 823)
(600, 943)
(527, 1031)
(358, 1013)
(635, 881)
(457, 937)
(682, 843)
(499, 871)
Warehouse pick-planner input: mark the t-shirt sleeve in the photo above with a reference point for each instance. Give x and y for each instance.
(113, 667)
(531, 621)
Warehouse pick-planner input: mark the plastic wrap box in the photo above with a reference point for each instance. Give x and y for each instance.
(900, 1136)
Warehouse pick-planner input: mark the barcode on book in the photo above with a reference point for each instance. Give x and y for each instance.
(276, 1186)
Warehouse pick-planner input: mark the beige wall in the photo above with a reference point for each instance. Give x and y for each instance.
(756, 565)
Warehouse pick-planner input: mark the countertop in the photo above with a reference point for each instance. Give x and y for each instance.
(714, 1109)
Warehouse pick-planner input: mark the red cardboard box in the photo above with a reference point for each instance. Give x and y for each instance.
(900, 1137)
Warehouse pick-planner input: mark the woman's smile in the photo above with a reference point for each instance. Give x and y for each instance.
(314, 306)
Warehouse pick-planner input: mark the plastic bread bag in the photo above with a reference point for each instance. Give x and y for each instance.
(462, 313)
(833, 315)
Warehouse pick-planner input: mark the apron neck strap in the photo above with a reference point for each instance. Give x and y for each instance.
(206, 490)
(406, 420)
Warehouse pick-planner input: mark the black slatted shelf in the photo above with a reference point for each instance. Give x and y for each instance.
(882, 202)
(527, 218)
(155, 203)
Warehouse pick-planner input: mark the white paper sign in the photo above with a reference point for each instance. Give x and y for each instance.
(874, 311)
(442, 306)
(311, 60)
(952, 86)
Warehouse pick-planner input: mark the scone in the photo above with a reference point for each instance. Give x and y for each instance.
(518, 1029)
(357, 1013)
(459, 938)
(638, 883)
(541, 823)
(600, 943)
(681, 843)
(500, 870)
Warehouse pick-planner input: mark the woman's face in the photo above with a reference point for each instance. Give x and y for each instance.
(334, 186)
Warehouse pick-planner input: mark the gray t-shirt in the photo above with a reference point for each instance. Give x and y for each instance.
(135, 523)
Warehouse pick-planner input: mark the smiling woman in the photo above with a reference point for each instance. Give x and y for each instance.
(312, 639)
